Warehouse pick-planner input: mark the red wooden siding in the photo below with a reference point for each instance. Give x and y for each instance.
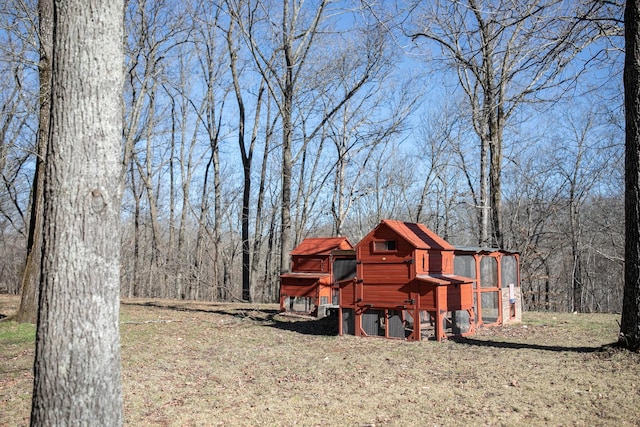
(459, 297)
(435, 262)
(309, 264)
(446, 262)
(421, 261)
(366, 251)
(427, 297)
(299, 288)
(386, 296)
(348, 294)
(384, 273)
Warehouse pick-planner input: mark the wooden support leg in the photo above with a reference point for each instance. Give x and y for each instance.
(441, 312)
(440, 316)
(417, 333)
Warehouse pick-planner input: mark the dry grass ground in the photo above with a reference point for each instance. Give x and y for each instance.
(201, 364)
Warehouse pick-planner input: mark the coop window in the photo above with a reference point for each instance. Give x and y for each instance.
(465, 265)
(509, 270)
(488, 272)
(384, 246)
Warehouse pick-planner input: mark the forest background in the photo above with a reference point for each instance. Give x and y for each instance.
(250, 125)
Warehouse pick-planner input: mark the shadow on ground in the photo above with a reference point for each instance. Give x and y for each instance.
(268, 317)
(259, 314)
(328, 326)
(520, 345)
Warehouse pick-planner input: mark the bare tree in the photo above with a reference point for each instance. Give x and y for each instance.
(296, 35)
(357, 132)
(18, 130)
(282, 54)
(505, 54)
(154, 30)
(580, 161)
(236, 10)
(212, 50)
(269, 290)
(531, 211)
(630, 324)
(77, 362)
(445, 170)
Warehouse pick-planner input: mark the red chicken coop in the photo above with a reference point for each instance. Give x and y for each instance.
(405, 286)
(318, 264)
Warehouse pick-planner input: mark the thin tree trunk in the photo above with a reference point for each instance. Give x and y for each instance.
(257, 240)
(185, 284)
(28, 310)
(495, 191)
(134, 286)
(247, 158)
(222, 293)
(269, 262)
(484, 195)
(547, 287)
(287, 167)
(173, 255)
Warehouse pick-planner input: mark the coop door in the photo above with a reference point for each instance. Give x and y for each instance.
(383, 323)
(489, 309)
(373, 322)
(395, 324)
(348, 322)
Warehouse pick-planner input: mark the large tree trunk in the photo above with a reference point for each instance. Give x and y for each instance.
(630, 323)
(28, 310)
(77, 363)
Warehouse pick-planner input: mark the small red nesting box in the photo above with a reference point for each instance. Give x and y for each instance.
(318, 264)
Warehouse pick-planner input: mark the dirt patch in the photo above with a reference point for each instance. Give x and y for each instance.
(232, 364)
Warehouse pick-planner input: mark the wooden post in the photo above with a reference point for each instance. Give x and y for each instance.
(441, 311)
